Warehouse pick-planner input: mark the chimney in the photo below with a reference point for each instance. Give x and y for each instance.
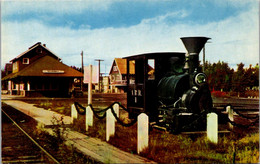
(44, 45)
(193, 45)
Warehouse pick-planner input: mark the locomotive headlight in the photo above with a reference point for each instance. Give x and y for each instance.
(200, 78)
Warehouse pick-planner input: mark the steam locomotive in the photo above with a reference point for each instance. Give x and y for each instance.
(170, 87)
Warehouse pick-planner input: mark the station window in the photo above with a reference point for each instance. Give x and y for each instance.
(151, 69)
(25, 60)
(15, 67)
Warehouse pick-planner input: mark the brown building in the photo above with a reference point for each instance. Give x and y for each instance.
(118, 75)
(8, 69)
(38, 71)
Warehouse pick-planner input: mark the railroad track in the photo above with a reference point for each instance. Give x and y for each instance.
(17, 145)
(244, 116)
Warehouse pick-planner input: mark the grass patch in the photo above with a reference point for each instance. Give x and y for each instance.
(55, 144)
(241, 147)
(169, 148)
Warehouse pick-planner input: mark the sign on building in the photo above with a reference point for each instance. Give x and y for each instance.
(95, 74)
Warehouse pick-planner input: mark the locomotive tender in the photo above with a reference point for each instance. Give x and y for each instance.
(170, 87)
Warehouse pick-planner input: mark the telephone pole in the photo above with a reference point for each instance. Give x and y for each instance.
(82, 61)
(204, 58)
(99, 79)
(82, 70)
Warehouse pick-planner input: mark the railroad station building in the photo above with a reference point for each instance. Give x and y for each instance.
(39, 72)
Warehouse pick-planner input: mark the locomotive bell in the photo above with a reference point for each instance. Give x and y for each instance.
(193, 45)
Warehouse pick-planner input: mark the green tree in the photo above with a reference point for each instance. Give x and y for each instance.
(239, 81)
(219, 75)
(255, 74)
(222, 77)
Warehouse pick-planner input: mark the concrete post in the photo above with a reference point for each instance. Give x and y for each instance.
(74, 113)
(116, 109)
(230, 113)
(28, 86)
(212, 127)
(110, 124)
(142, 132)
(89, 117)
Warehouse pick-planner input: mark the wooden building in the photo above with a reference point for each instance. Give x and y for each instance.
(118, 75)
(39, 72)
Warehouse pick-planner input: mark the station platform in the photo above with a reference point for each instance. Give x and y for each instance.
(39, 114)
(98, 150)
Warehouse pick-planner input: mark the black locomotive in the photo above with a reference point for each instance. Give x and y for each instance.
(170, 87)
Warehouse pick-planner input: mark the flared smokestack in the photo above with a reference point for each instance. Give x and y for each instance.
(193, 45)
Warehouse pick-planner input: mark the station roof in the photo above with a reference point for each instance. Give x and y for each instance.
(46, 66)
(38, 44)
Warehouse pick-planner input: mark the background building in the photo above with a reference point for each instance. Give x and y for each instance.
(39, 72)
(118, 75)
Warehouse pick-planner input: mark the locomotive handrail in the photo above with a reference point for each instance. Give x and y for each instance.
(174, 105)
(104, 110)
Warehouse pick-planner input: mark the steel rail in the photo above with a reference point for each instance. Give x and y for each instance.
(48, 154)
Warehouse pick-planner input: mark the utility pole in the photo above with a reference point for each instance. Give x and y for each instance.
(204, 60)
(99, 79)
(82, 70)
(82, 61)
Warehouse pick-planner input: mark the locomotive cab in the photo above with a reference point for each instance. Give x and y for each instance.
(144, 72)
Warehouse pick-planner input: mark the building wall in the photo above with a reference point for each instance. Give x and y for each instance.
(31, 56)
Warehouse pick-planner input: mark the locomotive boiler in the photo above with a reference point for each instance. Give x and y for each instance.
(170, 87)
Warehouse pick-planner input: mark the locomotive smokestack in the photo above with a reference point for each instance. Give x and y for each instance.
(193, 45)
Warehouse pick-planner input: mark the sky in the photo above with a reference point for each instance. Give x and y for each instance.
(108, 29)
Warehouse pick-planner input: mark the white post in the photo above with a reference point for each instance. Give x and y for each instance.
(110, 124)
(89, 117)
(116, 109)
(212, 127)
(28, 86)
(142, 132)
(230, 113)
(90, 85)
(74, 113)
